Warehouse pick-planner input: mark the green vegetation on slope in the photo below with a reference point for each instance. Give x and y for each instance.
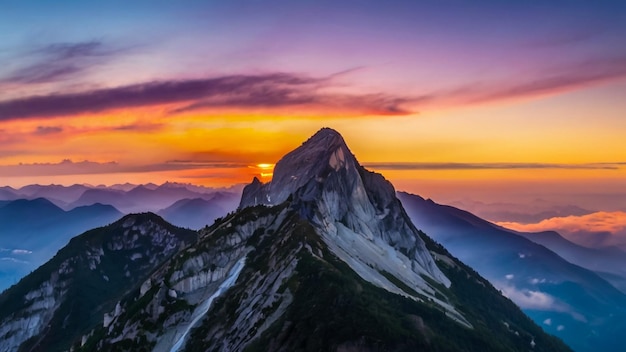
(333, 308)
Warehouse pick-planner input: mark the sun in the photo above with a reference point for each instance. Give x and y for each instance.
(264, 166)
(265, 169)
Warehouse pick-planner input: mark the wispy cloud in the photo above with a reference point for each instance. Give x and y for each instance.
(138, 127)
(239, 91)
(566, 77)
(537, 300)
(275, 90)
(65, 167)
(529, 299)
(59, 61)
(69, 167)
(599, 229)
(45, 130)
(489, 166)
(13, 260)
(369, 104)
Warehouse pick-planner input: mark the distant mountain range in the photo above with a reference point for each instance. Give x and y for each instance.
(523, 212)
(196, 213)
(609, 263)
(568, 300)
(127, 198)
(85, 280)
(38, 220)
(33, 230)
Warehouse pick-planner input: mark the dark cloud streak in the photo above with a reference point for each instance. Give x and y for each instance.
(264, 91)
(69, 167)
(60, 61)
(46, 130)
(219, 160)
(284, 90)
(73, 50)
(378, 104)
(568, 77)
(490, 166)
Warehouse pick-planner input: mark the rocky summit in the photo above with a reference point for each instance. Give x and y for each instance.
(323, 257)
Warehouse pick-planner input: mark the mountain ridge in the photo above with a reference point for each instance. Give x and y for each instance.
(325, 178)
(554, 292)
(81, 279)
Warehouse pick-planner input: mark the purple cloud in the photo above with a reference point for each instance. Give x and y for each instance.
(138, 127)
(558, 79)
(74, 50)
(86, 167)
(489, 166)
(265, 91)
(45, 130)
(60, 61)
(65, 167)
(278, 90)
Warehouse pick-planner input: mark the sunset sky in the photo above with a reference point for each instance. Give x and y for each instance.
(476, 99)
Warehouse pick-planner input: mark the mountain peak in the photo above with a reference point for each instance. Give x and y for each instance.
(314, 160)
(141, 218)
(328, 137)
(354, 210)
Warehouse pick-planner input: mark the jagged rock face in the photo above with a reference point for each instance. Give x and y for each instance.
(294, 293)
(324, 151)
(70, 292)
(348, 203)
(253, 194)
(169, 300)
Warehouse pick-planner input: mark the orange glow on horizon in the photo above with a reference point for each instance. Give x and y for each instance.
(265, 166)
(232, 146)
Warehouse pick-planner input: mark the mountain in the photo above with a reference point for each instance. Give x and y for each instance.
(126, 197)
(61, 193)
(114, 197)
(609, 263)
(569, 301)
(192, 213)
(33, 230)
(8, 193)
(22, 213)
(148, 198)
(126, 186)
(532, 211)
(329, 261)
(58, 301)
(356, 211)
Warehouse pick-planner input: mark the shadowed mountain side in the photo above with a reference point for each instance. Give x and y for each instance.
(193, 213)
(569, 301)
(609, 263)
(33, 230)
(144, 198)
(58, 302)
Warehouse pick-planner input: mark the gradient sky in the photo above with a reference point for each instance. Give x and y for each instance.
(479, 98)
